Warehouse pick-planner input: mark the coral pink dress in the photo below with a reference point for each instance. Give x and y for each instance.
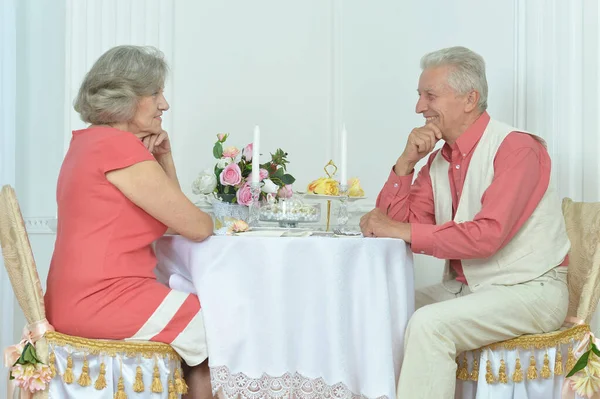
(101, 282)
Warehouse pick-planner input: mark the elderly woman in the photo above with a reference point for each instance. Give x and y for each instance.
(117, 193)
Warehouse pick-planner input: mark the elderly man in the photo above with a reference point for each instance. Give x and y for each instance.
(484, 202)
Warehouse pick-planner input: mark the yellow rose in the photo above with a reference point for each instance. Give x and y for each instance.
(324, 186)
(354, 189)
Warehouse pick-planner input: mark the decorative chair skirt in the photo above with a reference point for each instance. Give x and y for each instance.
(99, 369)
(527, 367)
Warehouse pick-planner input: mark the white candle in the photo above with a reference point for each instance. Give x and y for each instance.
(256, 155)
(344, 157)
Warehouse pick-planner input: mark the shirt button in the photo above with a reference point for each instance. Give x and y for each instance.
(457, 166)
(396, 185)
(464, 155)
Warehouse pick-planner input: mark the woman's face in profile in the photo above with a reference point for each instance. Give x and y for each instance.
(148, 115)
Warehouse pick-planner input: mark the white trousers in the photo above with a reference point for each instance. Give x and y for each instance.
(451, 319)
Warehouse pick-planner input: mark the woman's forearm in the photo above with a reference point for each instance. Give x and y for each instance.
(166, 162)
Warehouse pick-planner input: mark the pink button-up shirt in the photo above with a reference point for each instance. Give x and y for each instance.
(521, 177)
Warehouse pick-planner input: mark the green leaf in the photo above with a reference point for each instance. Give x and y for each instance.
(595, 349)
(31, 353)
(288, 179)
(581, 363)
(278, 173)
(218, 150)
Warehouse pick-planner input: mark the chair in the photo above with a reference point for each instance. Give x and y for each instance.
(534, 366)
(79, 367)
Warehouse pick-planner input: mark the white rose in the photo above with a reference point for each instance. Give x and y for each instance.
(221, 163)
(205, 183)
(269, 187)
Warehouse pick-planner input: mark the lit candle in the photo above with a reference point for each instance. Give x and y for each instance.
(344, 157)
(256, 156)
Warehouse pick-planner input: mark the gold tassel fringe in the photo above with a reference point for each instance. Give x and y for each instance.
(52, 364)
(138, 385)
(172, 394)
(558, 369)
(518, 374)
(156, 384)
(84, 378)
(180, 385)
(489, 376)
(462, 373)
(120, 394)
(570, 361)
(68, 375)
(101, 380)
(475, 372)
(532, 370)
(502, 378)
(546, 373)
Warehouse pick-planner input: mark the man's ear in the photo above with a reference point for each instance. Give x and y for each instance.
(472, 100)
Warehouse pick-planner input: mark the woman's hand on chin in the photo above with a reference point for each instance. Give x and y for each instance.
(158, 144)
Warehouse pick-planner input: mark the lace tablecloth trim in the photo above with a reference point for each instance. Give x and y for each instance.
(287, 386)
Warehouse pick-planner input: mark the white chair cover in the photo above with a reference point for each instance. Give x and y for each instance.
(545, 359)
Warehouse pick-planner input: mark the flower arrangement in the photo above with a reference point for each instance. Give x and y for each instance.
(584, 378)
(28, 372)
(229, 180)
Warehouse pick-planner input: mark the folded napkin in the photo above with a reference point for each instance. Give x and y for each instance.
(276, 233)
(262, 233)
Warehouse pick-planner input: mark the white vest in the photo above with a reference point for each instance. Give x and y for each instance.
(540, 245)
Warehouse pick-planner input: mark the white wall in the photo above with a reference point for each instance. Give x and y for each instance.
(39, 121)
(302, 69)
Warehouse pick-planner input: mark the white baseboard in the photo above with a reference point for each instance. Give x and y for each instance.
(40, 225)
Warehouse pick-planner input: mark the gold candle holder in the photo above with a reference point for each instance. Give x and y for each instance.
(329, 174)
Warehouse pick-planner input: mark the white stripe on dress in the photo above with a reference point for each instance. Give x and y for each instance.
(193, 337)
(161, 316)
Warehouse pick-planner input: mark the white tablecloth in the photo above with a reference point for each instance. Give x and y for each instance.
(302, 317)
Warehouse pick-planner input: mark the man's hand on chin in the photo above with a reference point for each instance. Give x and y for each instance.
(378, 224)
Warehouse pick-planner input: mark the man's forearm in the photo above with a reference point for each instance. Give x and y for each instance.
(402, 231)
(403, 167)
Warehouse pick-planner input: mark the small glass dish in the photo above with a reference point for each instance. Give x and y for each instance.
(290, 212)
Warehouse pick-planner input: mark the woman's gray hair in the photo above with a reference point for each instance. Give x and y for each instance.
(467, 71)
(111, 89)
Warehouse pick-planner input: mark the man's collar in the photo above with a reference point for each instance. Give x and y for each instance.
(467, 141)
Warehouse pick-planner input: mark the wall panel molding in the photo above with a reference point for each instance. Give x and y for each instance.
(94, 26)
(556, 88)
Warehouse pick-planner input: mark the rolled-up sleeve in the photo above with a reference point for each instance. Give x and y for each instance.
(408, 202)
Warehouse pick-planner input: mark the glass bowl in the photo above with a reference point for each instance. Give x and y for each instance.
(290, 212)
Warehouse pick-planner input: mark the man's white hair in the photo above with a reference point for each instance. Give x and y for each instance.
(467, 71)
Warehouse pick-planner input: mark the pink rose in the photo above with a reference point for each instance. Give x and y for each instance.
(261, 176)
(244, 195)
(285, 191)
(231, 175)
(239, 226)
(247, 152)
(230, 152)
(222, 137)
